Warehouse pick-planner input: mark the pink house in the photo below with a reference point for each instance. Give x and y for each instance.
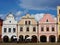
(47, 29)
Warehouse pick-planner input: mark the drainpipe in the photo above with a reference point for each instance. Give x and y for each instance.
(37, 32)
(17, 31)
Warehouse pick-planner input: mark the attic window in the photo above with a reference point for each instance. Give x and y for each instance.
(47, 20)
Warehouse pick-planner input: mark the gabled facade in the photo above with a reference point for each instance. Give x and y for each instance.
(1, 23)
(9, 28)
(58, 17)
(27, 27)
(47, 29)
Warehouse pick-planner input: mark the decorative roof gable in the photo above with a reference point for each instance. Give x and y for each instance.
(47, 18)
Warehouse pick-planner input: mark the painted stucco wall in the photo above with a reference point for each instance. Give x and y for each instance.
(9, 22)
(51, 23)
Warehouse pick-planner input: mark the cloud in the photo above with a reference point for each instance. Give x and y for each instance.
(2, 16)
(38, 16)
(39, 4)
(18, 13)
(55, 18)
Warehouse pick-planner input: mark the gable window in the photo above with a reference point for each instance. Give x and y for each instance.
(5, 30)
(52, 28)
(25, 22)
(47, 28)
(34, 29)
(9, 30)
(21, 28)
(14, 30)
(10, 21)
(29, 22)
(27, 29)
(47, 20)
(42, 29)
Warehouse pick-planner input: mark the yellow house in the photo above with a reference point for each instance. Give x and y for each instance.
(58, 17)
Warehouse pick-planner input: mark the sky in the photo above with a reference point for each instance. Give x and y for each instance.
(36, 8)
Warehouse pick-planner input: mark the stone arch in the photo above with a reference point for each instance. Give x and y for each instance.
(43, 38)
(59, 38)
(34, 38)
(21, 38)
(6, 38)
(13, 39)
(26, 38)
(52, 38)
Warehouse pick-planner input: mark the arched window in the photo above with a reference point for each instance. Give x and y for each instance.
(25, 22)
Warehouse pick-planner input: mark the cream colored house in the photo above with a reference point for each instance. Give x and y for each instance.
(58, 17)
(27, 27)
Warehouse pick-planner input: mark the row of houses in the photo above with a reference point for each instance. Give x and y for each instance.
(47, 29)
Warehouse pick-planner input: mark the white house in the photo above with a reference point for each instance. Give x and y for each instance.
(9, 28)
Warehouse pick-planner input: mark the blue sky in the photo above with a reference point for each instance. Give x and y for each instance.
(21, 7)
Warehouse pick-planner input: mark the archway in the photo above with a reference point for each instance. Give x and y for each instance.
(26, 38)
(0, 36)
(59, 38)
(43, 38)
(34, 38)
(6, 39)
(13, 39)
(52, 38)
(21, 39)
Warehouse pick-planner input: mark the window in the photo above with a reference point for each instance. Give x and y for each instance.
(9, 30)
(25, 22)
(10, 21)
(59, 19)
(47, 28)
(42, 29)
(29, 22)
(21, 28)
(34, 29)
(47, 20)
(52, 28)
(59, 11)
(27, 29)
(14, 30)
(5, 30)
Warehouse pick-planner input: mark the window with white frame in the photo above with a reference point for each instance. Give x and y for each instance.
(21, 28)
(5, 30)
(9, 29)
(14, 30)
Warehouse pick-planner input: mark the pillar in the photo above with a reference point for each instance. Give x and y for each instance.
(47, 39)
